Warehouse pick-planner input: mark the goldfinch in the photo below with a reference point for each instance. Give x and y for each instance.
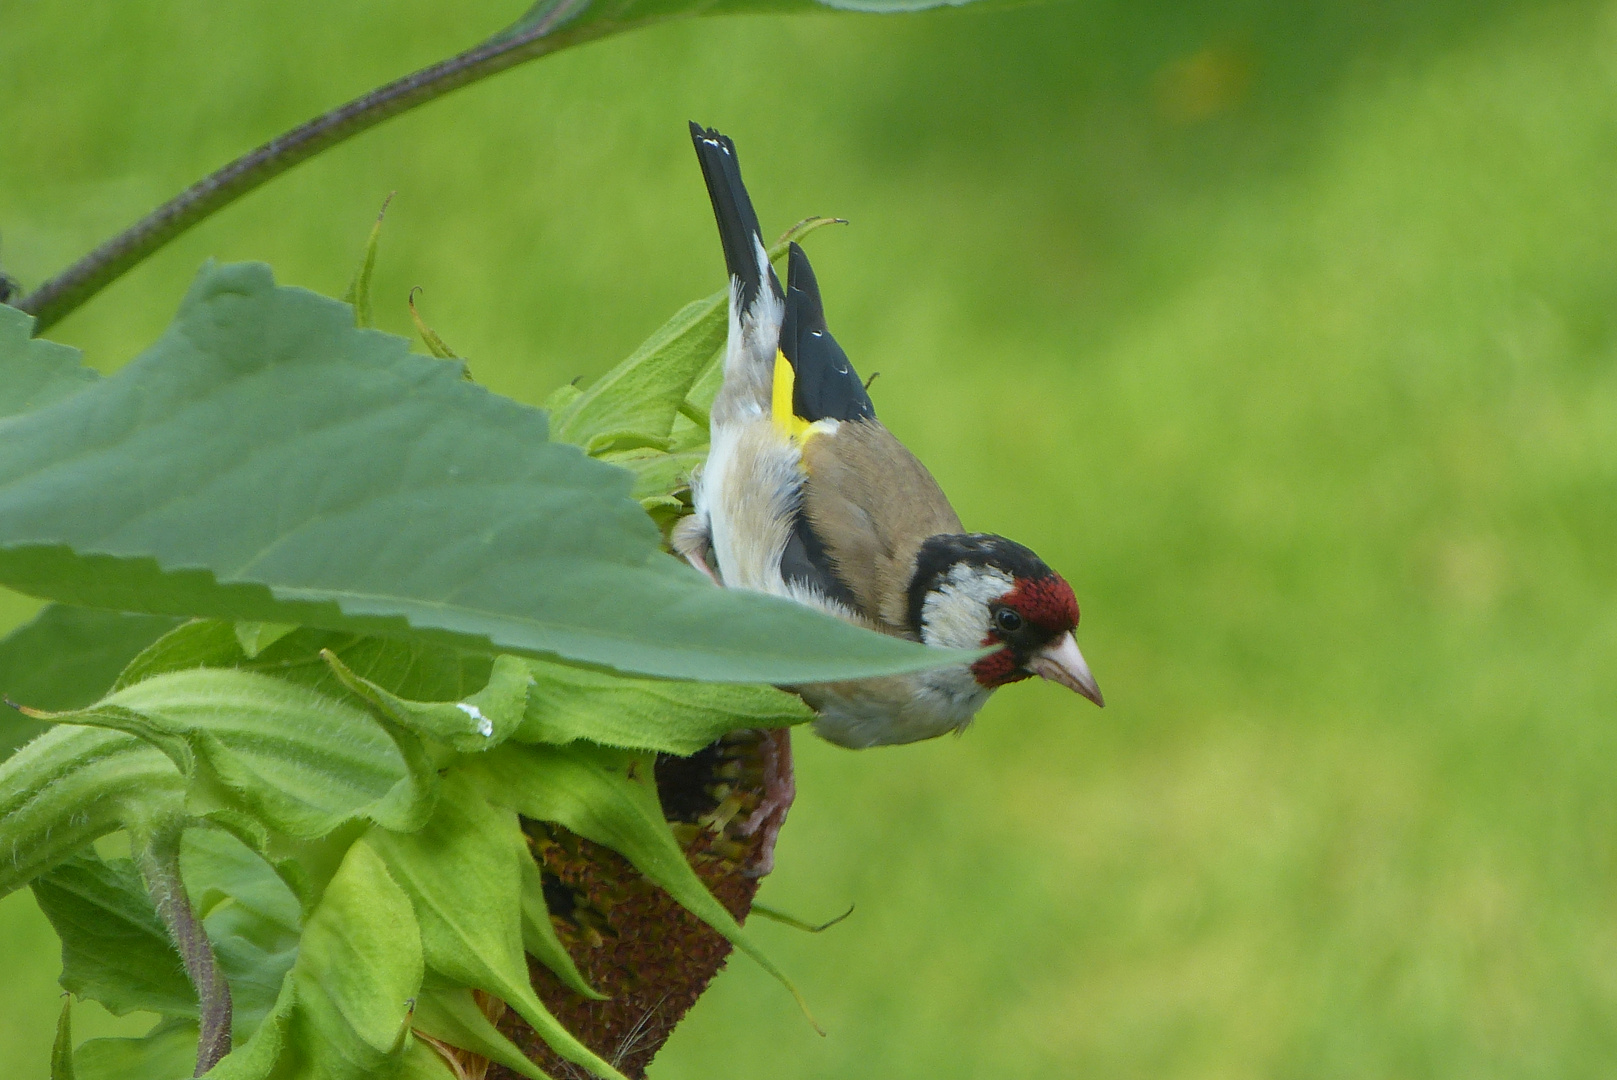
(806, 495)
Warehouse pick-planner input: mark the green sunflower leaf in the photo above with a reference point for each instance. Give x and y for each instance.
(115, 949)
(72, 785)
(199, 643)
(297, 760)
(266, 461)
(255, 637)
(610, 796)
(167, 1052)
(481, 722)
(436, 346)
(450, 1015)
(422, 1062)
(358, 970)
(359, 289)
(568, 704)
(463, 872)
(642, 394)
(411, 668)
(656, 472)
(34, 372)
(65, 658)
(62, 1047)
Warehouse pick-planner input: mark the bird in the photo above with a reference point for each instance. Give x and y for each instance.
(806, 495)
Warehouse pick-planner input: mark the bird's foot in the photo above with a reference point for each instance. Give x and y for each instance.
(780, 789)
(707, 571)
(692, 540)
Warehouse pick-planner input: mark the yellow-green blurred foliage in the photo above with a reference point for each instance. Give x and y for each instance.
(1287, 331)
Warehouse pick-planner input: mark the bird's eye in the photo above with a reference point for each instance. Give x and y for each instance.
(1008, 620)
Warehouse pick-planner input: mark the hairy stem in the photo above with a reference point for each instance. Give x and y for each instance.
(532, 37)
(159, 861)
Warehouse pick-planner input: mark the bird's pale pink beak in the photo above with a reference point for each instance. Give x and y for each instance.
(1061, 662)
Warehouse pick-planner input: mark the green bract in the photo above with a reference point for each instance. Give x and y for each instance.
(359, 965)
(73, 785)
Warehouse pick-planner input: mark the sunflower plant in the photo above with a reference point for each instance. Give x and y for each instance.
(369, 729)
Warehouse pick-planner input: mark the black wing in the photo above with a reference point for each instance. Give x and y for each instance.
(738, 224)
(806, 562)
(825, 385)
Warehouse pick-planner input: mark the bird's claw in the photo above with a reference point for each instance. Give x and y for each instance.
(780, 789)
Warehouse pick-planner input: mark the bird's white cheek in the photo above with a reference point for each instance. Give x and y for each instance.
(956, 614)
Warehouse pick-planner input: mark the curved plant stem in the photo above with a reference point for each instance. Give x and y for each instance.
(532, 36)
(159, 861)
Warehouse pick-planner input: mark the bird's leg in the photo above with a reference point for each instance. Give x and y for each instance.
(692, 540)
(780, 788)
(700, 562)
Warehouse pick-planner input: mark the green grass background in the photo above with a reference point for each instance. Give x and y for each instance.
(1287, 331)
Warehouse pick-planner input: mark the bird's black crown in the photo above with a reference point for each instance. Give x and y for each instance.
(940, 554)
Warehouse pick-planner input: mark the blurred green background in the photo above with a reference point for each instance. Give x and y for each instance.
(1287, 331)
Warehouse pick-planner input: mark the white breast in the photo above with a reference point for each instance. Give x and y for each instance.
(749, 492)
(896, 709)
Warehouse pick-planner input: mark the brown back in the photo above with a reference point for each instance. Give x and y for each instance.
(873, 504)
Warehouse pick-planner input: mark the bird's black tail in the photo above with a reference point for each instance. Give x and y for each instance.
(738, 224)
(825, 385)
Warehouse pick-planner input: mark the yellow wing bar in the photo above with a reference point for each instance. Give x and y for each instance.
(780, 403)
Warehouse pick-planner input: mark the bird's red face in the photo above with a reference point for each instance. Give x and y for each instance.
(1035, 622)
(978, 589)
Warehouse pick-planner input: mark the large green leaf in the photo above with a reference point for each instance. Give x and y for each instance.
(34, 372)
(72, 785)
(167, 1052)
(116, 950)
(114, 947)
(290, 757)
(610, 796)
(359, 967)
(65, 658)
(463, 872)
(267, 461)
(566, 704)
